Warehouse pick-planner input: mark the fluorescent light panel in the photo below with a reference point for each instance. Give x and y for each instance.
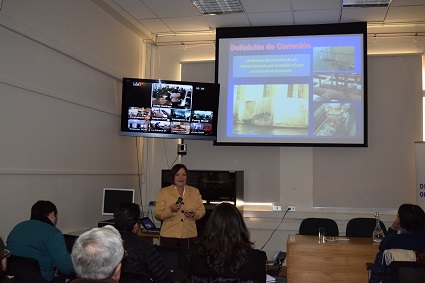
(365, 3)
(218, 7)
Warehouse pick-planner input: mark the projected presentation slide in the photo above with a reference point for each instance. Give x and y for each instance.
(294, 89)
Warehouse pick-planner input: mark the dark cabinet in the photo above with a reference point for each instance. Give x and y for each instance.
(214, 186)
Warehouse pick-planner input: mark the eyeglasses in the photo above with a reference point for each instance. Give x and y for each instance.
(124, 255)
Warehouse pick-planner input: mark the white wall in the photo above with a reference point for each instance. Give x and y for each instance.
(61, 65)
(290, 175)
(60, 68)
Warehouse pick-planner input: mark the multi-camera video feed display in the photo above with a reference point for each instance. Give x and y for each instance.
(169, 109)
(292, 85)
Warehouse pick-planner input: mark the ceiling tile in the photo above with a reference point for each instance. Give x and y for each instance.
(396, 3)
(316, 4)
(187, 24)
(136, 8)
(235, 20)
(316, 17)
(163, 16)
(155, 25)
(406, 14)
(271, 19)
(372, 14)
(172, 8)
(255, 6)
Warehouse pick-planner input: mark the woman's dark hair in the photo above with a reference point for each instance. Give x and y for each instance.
(225, 240)
(412, 217)
(176, 169)
(126, 215)
(43, 207)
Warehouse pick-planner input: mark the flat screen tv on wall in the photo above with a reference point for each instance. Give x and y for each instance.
(169, 109)
(299, 85)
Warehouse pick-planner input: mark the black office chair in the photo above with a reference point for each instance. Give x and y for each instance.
(310, 226)
(407, 272)
(25, 269)
(69, 241)
(275, 269)
(362, 227)
(397, 267)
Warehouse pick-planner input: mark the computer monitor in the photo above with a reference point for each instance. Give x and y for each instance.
(113, 197)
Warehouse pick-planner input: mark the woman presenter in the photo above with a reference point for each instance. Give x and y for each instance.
(178, 207)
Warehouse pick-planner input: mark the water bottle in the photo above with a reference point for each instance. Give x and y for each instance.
(378, 234)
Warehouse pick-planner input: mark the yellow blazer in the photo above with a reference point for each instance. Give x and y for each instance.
(177, 225)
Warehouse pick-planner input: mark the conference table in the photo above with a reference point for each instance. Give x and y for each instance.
(338, 259)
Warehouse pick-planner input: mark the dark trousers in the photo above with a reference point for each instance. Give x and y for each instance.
(187, 243)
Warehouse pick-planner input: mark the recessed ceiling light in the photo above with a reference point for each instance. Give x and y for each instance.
(218, 7)
(366, 3)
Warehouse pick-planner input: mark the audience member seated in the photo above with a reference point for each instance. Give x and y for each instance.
(407, 232)
(225, 249)
(4, 253)
(143, 257)
(97, 255)
(39, 238)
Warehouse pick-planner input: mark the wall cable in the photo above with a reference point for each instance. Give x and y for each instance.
(275, 229)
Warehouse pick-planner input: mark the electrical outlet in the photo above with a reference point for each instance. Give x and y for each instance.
(291, 208)
(277, 206)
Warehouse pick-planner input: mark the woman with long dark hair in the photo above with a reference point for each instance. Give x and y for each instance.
(225, 249)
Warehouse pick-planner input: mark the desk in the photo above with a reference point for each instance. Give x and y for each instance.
(333, 261)
(148, 236)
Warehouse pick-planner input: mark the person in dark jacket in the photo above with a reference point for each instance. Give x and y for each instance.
(143, 258)
(407, 232)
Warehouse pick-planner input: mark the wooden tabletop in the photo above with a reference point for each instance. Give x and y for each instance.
(332, 261)
(148, 236)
